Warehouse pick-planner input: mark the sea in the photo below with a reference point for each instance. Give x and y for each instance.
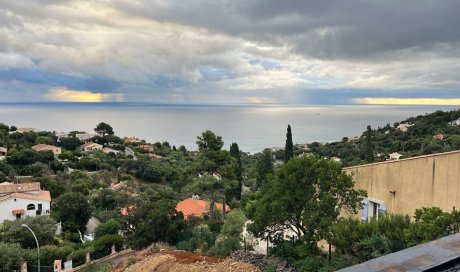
(252, 127)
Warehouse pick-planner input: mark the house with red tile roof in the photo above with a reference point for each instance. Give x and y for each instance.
(90, 146)
(197, 207)
(23, 199)
(44, 147)
(132, 139)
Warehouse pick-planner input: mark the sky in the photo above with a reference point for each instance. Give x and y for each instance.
(231, 51)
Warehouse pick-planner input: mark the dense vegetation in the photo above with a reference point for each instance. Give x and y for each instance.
(147, 180)
(376, 144)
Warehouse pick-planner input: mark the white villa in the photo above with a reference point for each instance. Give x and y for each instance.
(83, 136)
(23, 199)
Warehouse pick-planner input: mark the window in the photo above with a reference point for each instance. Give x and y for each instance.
(30, 207)
(372, 208)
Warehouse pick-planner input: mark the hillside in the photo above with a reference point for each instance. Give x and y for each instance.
(424, 134)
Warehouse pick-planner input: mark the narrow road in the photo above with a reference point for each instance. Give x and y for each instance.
(129, 151)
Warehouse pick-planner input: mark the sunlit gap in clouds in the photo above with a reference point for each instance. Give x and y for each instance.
(407, 101)
(62, 94)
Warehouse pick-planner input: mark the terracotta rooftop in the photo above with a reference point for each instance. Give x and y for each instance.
(196, 207)
(7, 188)
(45, 147)
(89, 144)
(42, 195)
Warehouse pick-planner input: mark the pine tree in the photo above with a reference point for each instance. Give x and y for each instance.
(369, 145)
(289, 148)
(235, 153)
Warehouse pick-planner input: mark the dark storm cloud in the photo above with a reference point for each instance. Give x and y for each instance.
(326, 29)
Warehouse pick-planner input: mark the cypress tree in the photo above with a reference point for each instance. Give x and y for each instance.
(289, 148)
(235, 153)
(369, 145)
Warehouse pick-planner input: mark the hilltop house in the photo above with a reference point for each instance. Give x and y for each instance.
(26, 130)
(3, 152)
(395, 156)
(60, 135)
(197, 207)
(25, 199)
(404, 127)
(83, 136)
(107, 150)
(129, 140)
(43, 147)
(90, 146)
(146, 147)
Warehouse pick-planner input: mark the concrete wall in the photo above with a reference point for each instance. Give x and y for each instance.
(7, 206)
(413, 183)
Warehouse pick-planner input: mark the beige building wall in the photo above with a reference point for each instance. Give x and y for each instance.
(409, 184)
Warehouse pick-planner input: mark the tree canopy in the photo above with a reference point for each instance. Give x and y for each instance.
(306, 197)
(73, 210)
(104, 129)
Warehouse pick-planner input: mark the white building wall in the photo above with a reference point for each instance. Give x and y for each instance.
(7, 207)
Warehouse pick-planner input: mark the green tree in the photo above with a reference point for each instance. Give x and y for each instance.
(11, 256)
(264, 167)
(43, 226)
(289, 147)
(430, 224)
(235, 153)
(208, 141)
(153, 221)
(369, 145)
(306, 197)
(215, 161)
(73, 210)
(70, 143)
(109, 227)
(104, 129)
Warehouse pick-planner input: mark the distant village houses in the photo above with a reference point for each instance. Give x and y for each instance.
(83, 136)
(43, 147)
(404, 127)
(146, 147)
(129, 140)
(61, 135)
(395, 156)
(90, 146)
(107, 150)
(26, 130)
(24, 199)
